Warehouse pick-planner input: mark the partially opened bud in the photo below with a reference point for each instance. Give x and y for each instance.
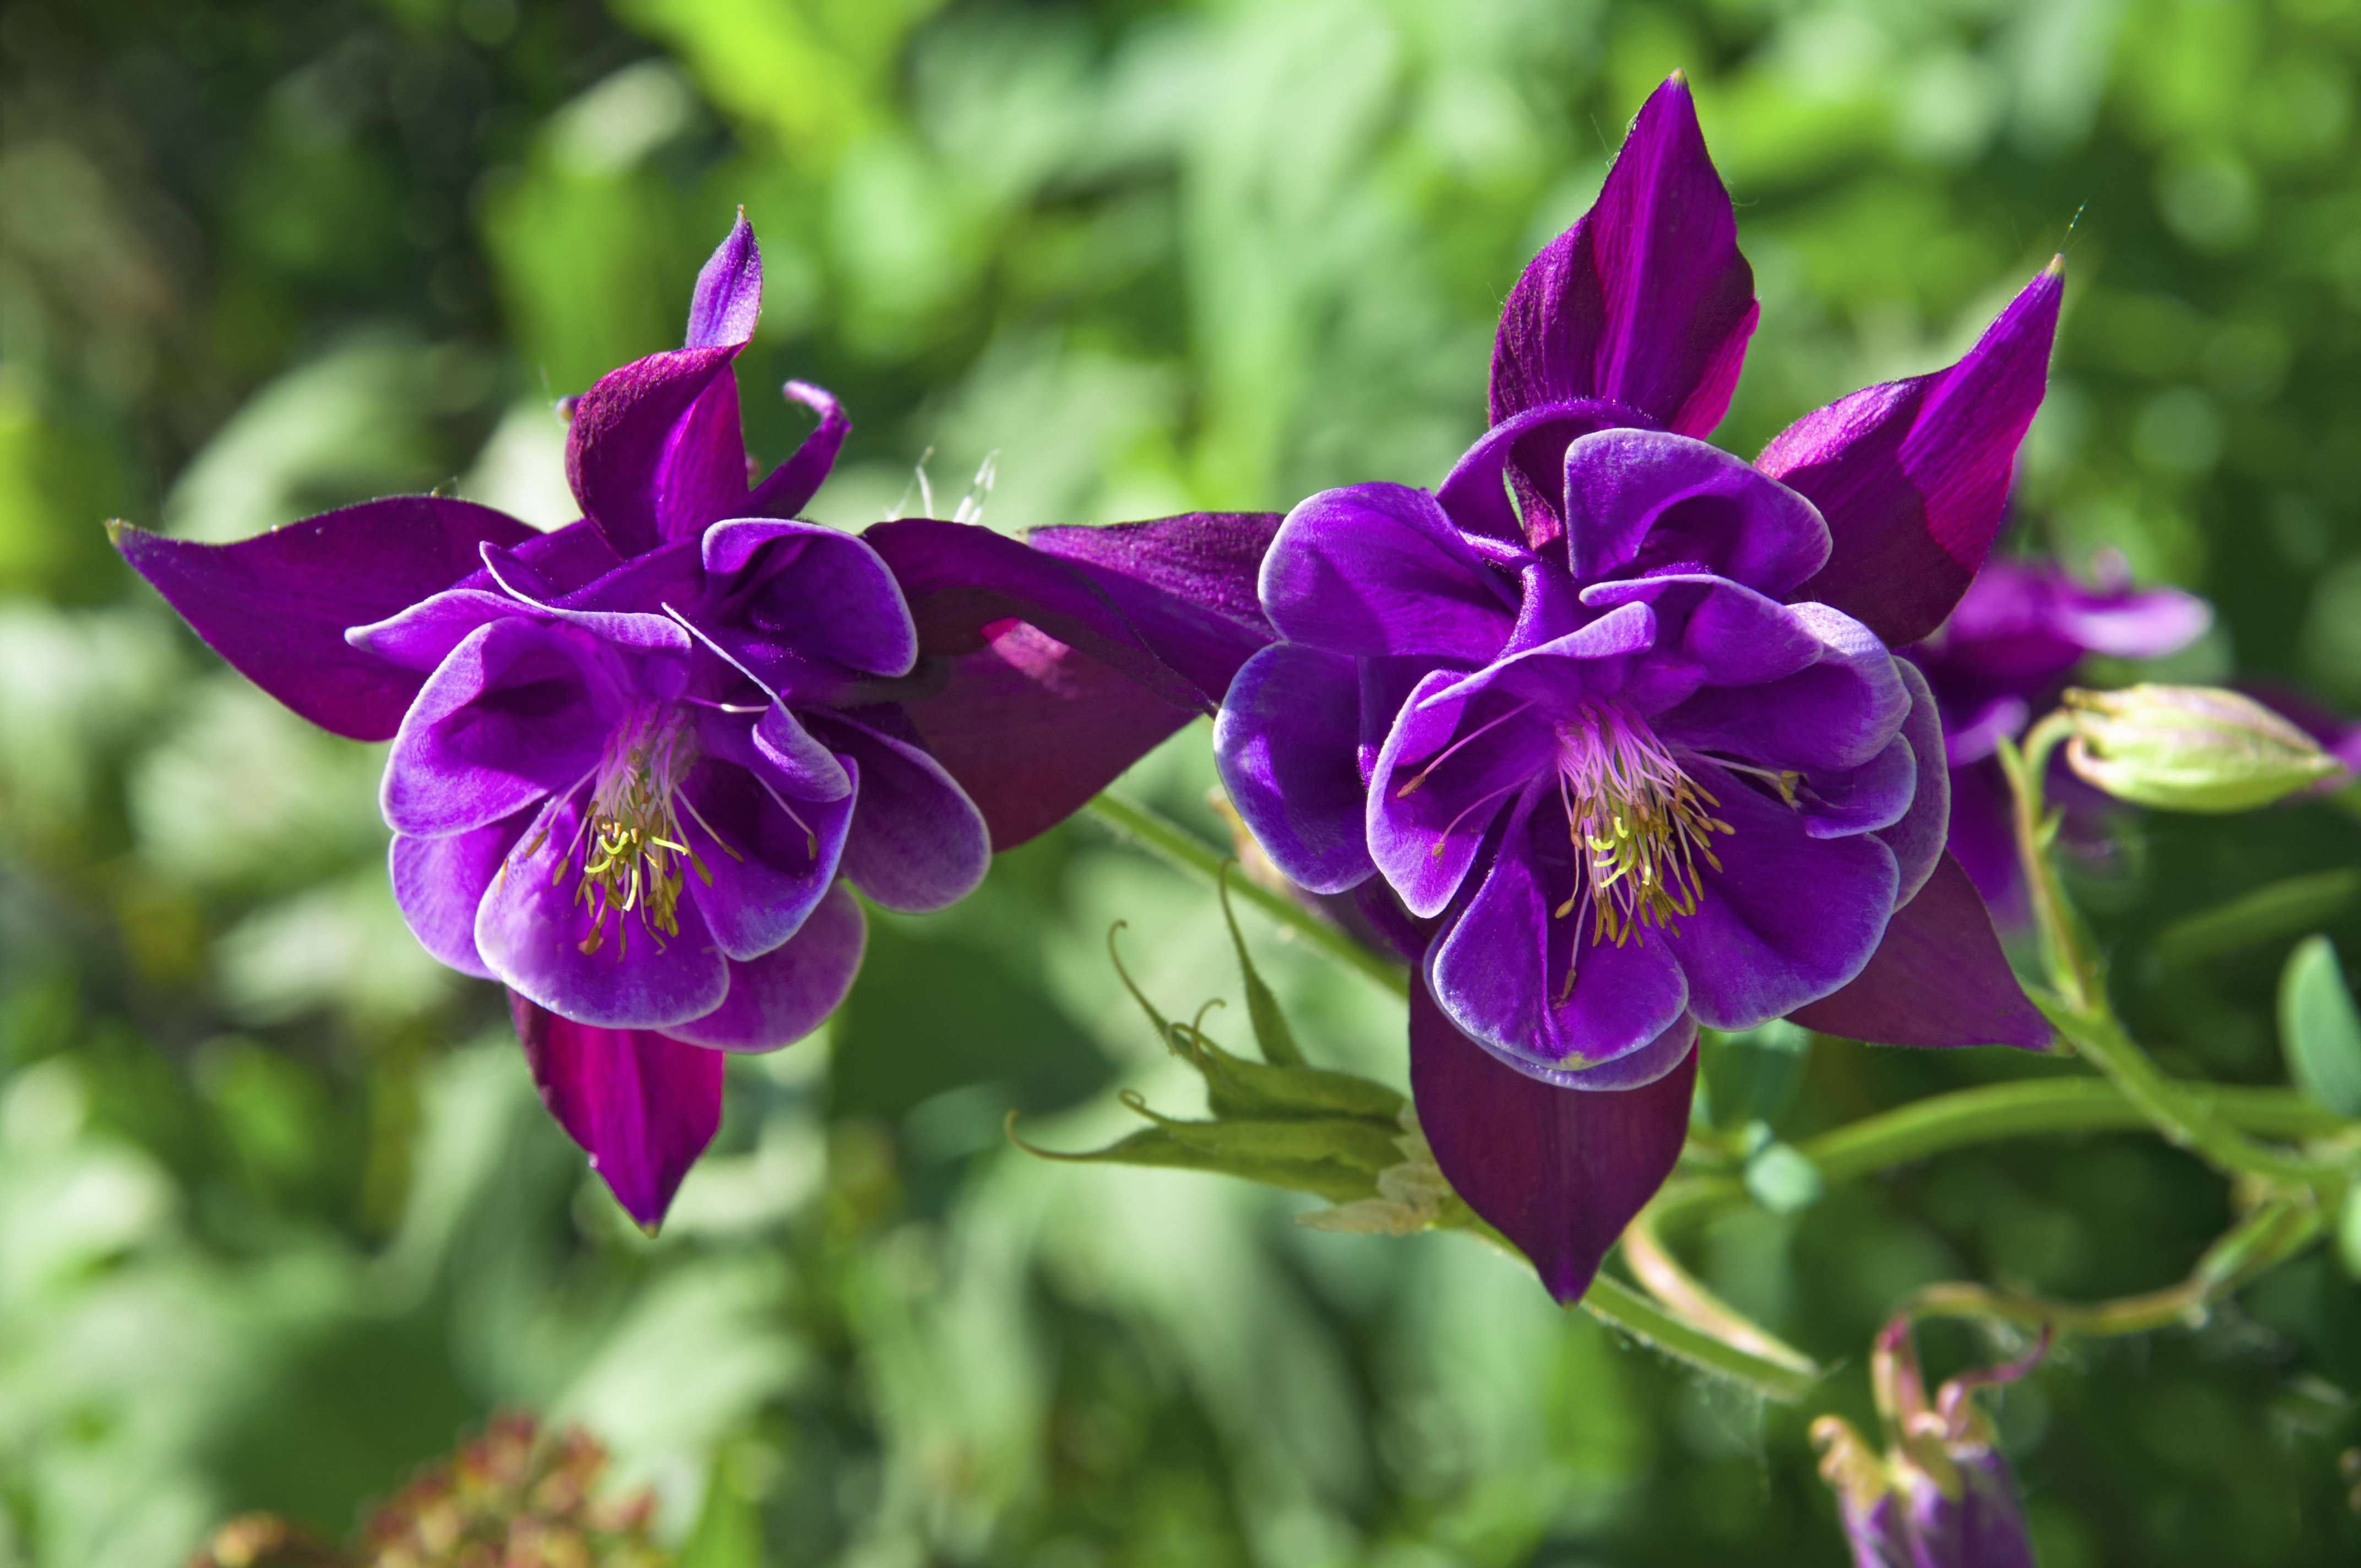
(2190, 749)
(1940, 1496)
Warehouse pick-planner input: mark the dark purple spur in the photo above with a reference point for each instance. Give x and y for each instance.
(2001, 659)
(1608, 725)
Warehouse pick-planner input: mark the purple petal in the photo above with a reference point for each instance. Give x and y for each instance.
(569, 558)
(439, 883)
(1555, 677)
(1913, 476)
(1558, 1171)
(1838, 714)
(1937, 979)
(1877, 794)
(1447, 771)
(426, 633)
(1645, 301)
(1526, 451)
(792, 759)
(1709, 631)
(1641, 500)
(729, 292)
(1788, 919)
(962, 581)
(654, 452)
(1187, 584)
(793, 591)
(1377, 569)
(767, 857)
(277, 605)
(780, 997)
(793, 483)
(638, 582)
(1030, 729)
(917, 843)
(642, 1107)
(1917, 839)
(532, 929)
(1537, 990)
(517, 711)
(1287, 744)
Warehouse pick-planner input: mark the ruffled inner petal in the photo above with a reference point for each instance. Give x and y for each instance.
(917, 842)
(517, 710)
(778, 998)
(1916, 839)
(785, 592)
(1378, 569)
(439, 883)
(1448, 770)
(1838, 713)
(1639, 500)
(766, 855)
(1286, 745)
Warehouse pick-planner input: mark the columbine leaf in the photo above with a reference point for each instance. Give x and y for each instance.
(1272, 1037)
(2319, 1028)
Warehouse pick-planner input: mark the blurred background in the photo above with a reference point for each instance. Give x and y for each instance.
(280, 1215)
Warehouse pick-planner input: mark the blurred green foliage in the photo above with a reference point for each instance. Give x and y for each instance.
(280, 1215)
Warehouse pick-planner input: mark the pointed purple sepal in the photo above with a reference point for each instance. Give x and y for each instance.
(655, 452)
(1645, 301)
(1913, 476)
(641, 1105)
(791, 485)
(1188, 583)
(1558, 1171)
(277, 605)
(729, 292)
(1937, 979)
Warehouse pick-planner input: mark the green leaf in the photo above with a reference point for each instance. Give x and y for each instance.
(2319, 1028)
(1784, 1179)
(1336, 1160)
(1272, 1037)
(728, 1532)
(1237, 1087)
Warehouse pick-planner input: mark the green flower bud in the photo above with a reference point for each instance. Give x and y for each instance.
(2190, 749)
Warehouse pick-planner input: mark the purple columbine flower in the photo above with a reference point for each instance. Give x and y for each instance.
(1941, 1494)
(1608, 725)
(2002, 657)
(637, 759)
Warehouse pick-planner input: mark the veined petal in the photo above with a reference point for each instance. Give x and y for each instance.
(1937, 979)
(1646, 299)
(277, 605)
(643, 1106)
(655, 452)
(438, 884)
(1917, 839)
(1525, 454)
(1838, 713)
(1913, 476)
(1643, 501)
(1558, 1171)
(1451, 766)
(778, 998)
(1187, 583)
(1596, 660)
(784, 592)
(1840, 803)
(1788, 917)
(729, 296)
(1030, 729)
(517, 711)
(1378, 569)
(536, 934)
(1287, 745)
(1535, 989)
(765, 858)
(793, 483)
(917, 843)
(1709, 631)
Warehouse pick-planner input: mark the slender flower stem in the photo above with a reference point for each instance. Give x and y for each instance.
(1677, 1288)
(2037, 1106)
(1178, 845)
(2083, 1016)
(2270, 1235)
(1621, 1307)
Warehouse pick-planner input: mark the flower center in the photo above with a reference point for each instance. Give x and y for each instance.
(633, 851)
(1640, 824)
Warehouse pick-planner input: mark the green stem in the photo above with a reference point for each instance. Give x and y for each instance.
(1621, 1307)
(2073, 970)
(1656, 1266)
(1179, 847)
(2270, 1236)
(2036, 1106)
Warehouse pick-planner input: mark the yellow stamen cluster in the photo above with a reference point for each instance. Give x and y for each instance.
(633, 851)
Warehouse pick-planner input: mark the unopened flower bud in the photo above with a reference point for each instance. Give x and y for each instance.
(1940, 1496)
(2190, 749)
